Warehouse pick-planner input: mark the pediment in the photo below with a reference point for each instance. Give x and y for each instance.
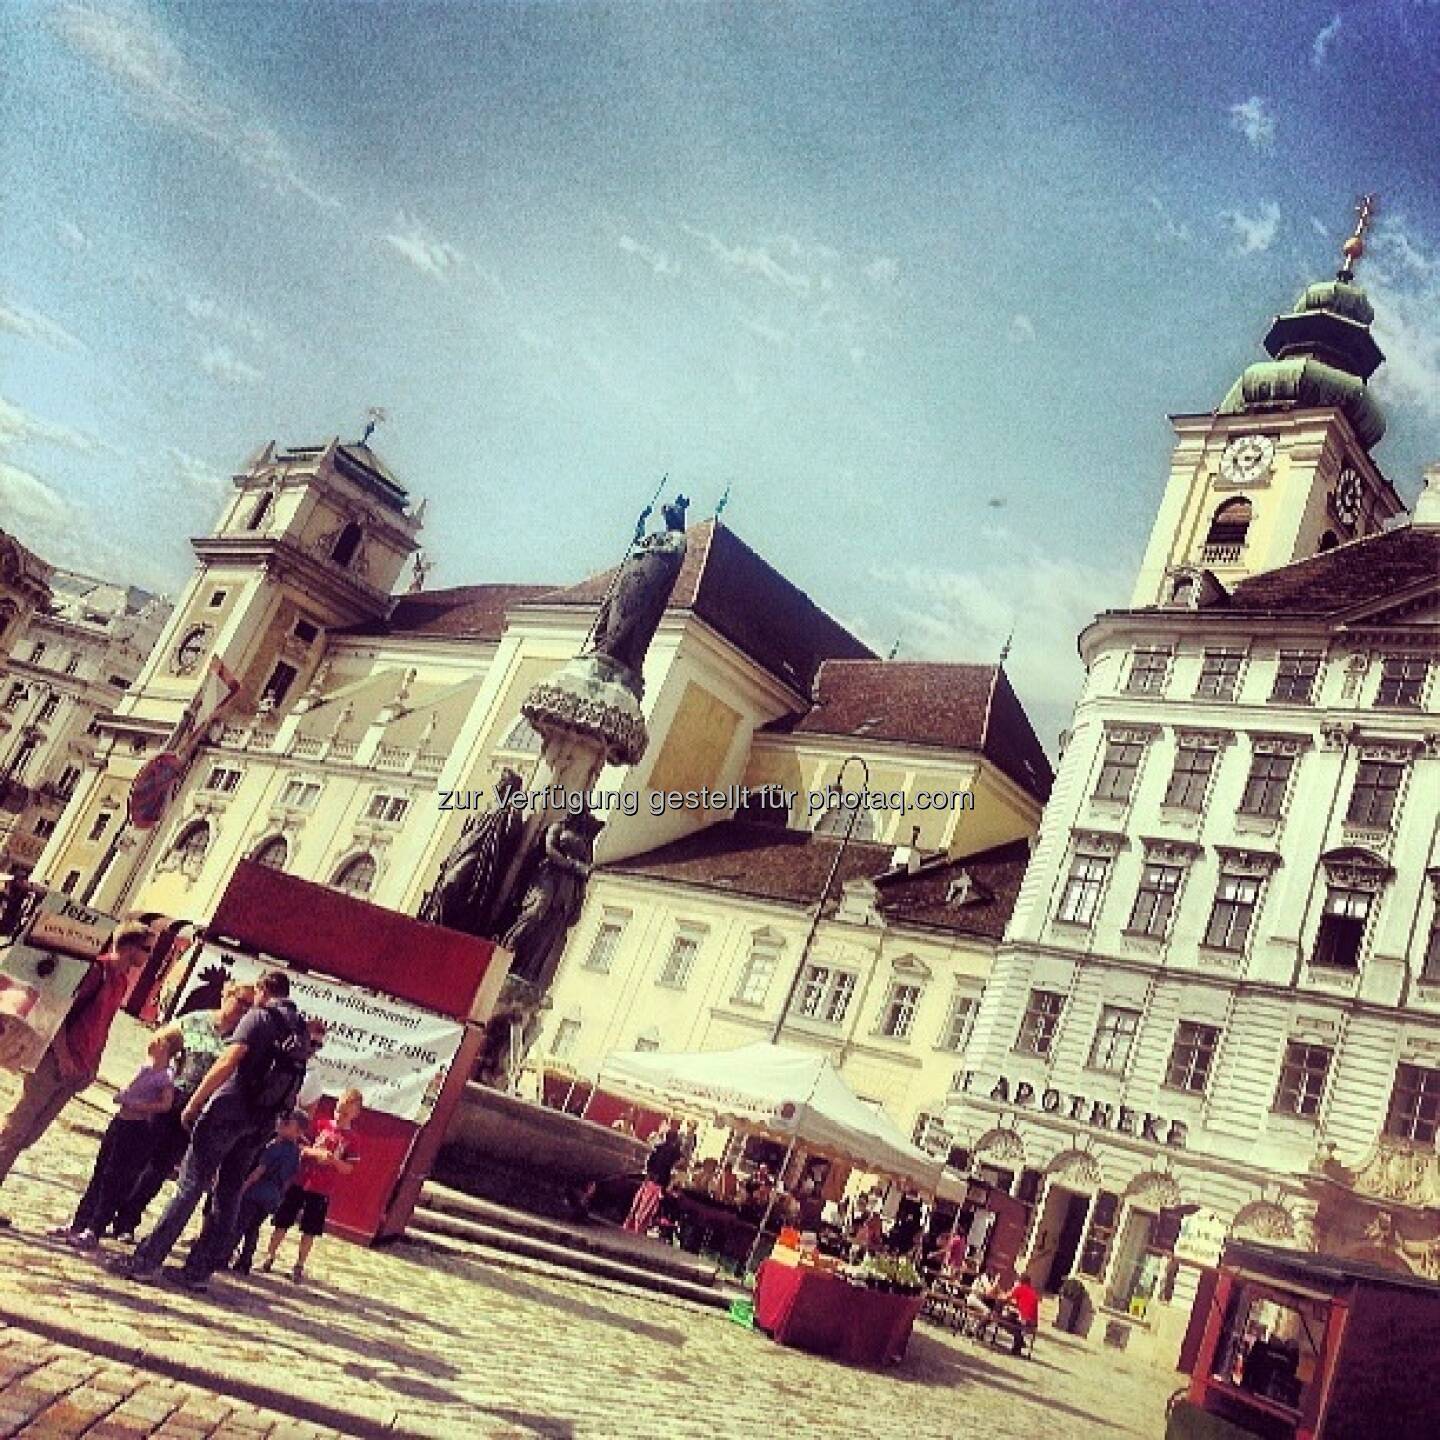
(1419, 606)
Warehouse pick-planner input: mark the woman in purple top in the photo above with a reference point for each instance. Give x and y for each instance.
(124, 1150)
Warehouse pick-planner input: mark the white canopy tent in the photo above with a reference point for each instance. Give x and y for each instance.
(794, 1096)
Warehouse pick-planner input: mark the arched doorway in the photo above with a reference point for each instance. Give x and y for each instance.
(1072, 1179)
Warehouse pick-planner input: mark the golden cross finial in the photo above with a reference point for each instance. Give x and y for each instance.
(1354, 247)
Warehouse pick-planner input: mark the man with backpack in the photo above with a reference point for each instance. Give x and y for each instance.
(257, 1077)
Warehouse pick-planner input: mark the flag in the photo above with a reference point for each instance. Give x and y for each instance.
(217, 692)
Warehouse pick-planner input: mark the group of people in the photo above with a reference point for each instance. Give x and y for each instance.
(218, 1097)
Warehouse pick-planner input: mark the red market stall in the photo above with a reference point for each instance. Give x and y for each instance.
(404, 1004)
(821, 1311)
(1287, 1345)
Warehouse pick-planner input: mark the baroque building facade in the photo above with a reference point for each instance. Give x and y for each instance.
(1217, 1006)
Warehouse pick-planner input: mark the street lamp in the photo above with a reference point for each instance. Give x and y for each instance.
(824, 894)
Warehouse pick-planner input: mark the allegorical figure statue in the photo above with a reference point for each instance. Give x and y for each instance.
(636, 604)
(467, 895)
(552, 900)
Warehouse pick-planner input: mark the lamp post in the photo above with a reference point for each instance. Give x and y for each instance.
(824, 895)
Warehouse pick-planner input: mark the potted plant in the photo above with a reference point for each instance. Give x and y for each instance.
(1074, 1297)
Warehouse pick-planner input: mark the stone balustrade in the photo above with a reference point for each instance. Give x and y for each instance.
(389, 759)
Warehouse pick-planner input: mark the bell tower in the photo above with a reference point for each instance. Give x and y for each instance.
(1282, 469)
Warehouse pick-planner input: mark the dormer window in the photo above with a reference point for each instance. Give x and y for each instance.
(1225, 540)
(347, 545)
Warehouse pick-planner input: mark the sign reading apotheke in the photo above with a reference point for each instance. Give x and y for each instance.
(1082, 1110)
(395, 1054)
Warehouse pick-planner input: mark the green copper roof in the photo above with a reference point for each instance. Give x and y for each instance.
(1302, 382)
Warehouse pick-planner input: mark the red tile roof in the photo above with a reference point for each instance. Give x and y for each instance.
(469, 612)
(1351, 576)
(726, 584)
(789, 867)
(948, 706)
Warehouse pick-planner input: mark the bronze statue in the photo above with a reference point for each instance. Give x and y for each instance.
(467, 895)
(552, 900)
(636, 603)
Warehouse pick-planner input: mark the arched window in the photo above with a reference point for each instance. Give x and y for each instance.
(261, 512)
(273, 853)
(191, 847)
(1328, 541)
(356, 877)
(1228, 528)
(347, 544)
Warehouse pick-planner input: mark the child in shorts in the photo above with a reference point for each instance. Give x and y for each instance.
(330, 1155)
(268, 1183)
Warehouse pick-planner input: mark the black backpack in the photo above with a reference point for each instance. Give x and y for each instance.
(273, 1083)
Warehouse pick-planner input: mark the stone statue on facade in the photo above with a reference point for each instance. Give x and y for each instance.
(467, 896)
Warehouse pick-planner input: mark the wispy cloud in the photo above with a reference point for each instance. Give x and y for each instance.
(1022, 328)
(884, 270)
(32, 507)
(1320, 45)
(753, 260)
(1255, 233)
(657, 260)
(71, 236)
(221, 363)
(19, 427)
(415, 242)
(1254, 121)
(31, 325)
(196, 474)
(218, 314)
(132, 48)
(1168, 227)
(1402, 278)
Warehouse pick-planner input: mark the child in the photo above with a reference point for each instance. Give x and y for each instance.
(126, 1146)
(331, 1154)
(268, 1183)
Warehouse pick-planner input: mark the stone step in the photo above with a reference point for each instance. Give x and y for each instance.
(595, 1237)
(498, 1246)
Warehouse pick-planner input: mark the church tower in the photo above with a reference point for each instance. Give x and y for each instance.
(314, 538)
(1283, 468)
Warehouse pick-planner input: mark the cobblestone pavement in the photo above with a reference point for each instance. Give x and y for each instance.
(447, 1345)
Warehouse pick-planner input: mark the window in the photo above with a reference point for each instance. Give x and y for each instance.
(1236, 899)
(356, 877)
(1266, 784)
(562, 1042)
(1302, 1079)
(217, 599)
(1430, 966)
(1099, 1234)
(93, 728)
(347, 545)
(260, 512)
(1190, 778)
(1148, 672)
(1114, 1039)
(306, 632)
(1295, 677)
(1219, 675)
(959, 1022)
(277, 687)
(300, 794)
(825, 993)
(1414, 1112)
(601, 954)
(69, 779)
(222, 778)
(1342, 928)
(44, 828)
(22, 758)
(273, 853)
(48, 709)
(1377, 787)
(68, 884)
(1225, 538)
(675, 972)
(1118, 770)
(898, 1017)
(191, 847)
(759, 971)
(386, 807)
(14, 697)
(1082, 890)
(647, 1042)
(72, 665)
(930, 1135)
(1192, 1056)
(523, 737)
(1402, 681)
(101, 825)
(37, 652)
(118, 681)
(1155, 900)
(1040, 1022)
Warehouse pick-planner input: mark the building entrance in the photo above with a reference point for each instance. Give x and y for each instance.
(1057, 1237)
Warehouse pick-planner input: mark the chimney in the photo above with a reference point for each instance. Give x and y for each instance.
(1427, 508)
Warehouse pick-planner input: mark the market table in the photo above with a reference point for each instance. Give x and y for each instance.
(823, 1313)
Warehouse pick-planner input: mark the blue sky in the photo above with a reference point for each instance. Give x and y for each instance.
(918, 282)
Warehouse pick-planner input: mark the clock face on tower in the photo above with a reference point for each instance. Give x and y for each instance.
(190, 649)
(1348, 497)
(1246, 458)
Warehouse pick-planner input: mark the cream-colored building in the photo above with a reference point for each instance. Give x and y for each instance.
(70, 662)
(368, 726)
(1220, 989)
(24, 588)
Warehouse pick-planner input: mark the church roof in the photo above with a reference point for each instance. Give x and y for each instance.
(461, 612)
(1351, 576)
(928, 703)
(789, 867)
(726, 584)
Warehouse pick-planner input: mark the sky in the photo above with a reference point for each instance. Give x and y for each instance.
(916, 285)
